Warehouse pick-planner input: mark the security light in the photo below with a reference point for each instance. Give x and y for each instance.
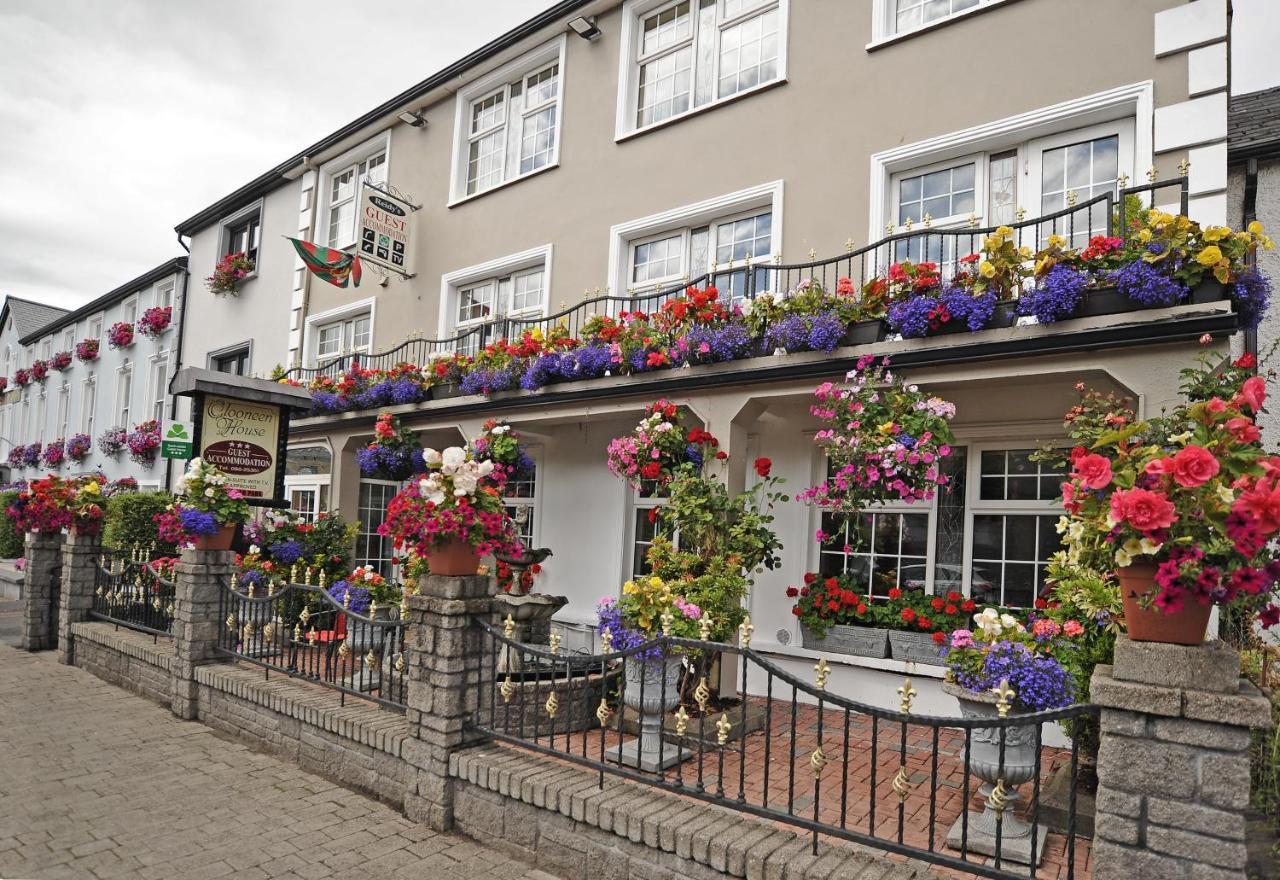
(585, 27)
(414, 118)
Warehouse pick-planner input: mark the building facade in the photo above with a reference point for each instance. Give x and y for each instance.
(91, 395)
(621, 148)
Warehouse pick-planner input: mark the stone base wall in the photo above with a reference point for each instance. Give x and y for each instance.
(559, 817)
(130, 660)
(357, 745)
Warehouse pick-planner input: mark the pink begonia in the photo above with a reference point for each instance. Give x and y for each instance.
(962, 638)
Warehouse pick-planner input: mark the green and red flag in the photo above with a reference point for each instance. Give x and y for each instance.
(336, 267)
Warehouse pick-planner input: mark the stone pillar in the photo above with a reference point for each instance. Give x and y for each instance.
(39, 568)
(80, 555)
(1173, 767)
(202, 578)
(448, 676)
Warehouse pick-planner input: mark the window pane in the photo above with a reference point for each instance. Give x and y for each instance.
(749, 53)
(488, 112)
(939, 194)
(484, 161)
(527, 291)
(664, 87)
(742, 239)
(476, 303)
(666, 28)
(1089, 169)
(1002, 188)
(988, 537)
(657, 259)
(538, 140)
(371, 548)
(542, 86)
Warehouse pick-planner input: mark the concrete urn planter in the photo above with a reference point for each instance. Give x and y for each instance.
(652, 689)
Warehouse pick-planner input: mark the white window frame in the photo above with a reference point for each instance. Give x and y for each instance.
(89, 404)
(453, 283)
(974, 505)
(884, 21)
(629, 63)
(351, 311)
(157, 389)
(379, 144)
(41, 415)
(122, 410)
(552, 52)
(1133, 102)
(167, 292)
(64, 409)
(95, 327)
(314, 483)
(623, 237)
(46, 348)
(361, 560)
(224, 233)
(635, 503)
(534, 508)
(69, 339)
(129, 310)
(1034, 155)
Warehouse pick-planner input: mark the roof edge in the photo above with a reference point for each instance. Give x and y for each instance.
(169, 267)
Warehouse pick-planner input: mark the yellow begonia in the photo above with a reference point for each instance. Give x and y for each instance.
(1056, 240)
(1216, 233)
(986, 269)
(1210, 256)
(90, 488)
(1144, 235)
(886, 428)
(1004, 232)
(1255, 227)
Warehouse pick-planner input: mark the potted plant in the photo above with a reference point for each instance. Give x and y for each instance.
(78, 446)
(144, 442)
(113, 440)
(31, 455)
(155, 321)
(229, 272)
(1002, 669)
(87, 350)
(86, 506)
(394, 453)
(918, 623)
(39, 370)
(209, 511)
(451, 516)
(44, 507)
(60, 361)
(835, 615)
(120, 335)
(15, 459)
(1181, 507)
(54, 452)
(22, 377)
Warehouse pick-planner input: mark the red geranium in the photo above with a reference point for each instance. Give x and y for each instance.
(763, 466)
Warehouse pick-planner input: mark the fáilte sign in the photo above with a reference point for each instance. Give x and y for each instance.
(176, 440)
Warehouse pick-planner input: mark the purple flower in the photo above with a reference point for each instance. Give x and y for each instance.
(327, 402)
(1056, 297)
(198, 522)
(1040, 682)
(286, 552)
(623, 637)
(360, 597)
(404, 391)
(975, 311)
(388, 462)
(1147, 285)
(1252, 294)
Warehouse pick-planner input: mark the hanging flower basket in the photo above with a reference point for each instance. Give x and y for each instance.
(155, 321)
(87, 350)
(230, 271)
(120, 335)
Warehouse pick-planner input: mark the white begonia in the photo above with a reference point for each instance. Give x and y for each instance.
(988, 620)
(254, 548)
(452, 459)
(209, 493)
(432, 457)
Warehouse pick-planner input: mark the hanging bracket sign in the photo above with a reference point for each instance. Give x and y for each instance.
(386, 229)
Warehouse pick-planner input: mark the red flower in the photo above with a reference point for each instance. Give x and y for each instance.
(1254, 392)
(950, 609)
(1041, 603)
(924, 623)
(895, 593)
(939, 638)
(937, 602)
(831, 583)
(763, 466)
(1244, 430)
(1246, 361)
(1093, 471)
(651, 470)
(861, 609)
(653, 515)
(1143, 509)
(968, 605)
(536, 568)
(833, 605)
(810, 577)
(792, 592)
(721, 455)
(908, 615)
(797, 611)
(1193, 466)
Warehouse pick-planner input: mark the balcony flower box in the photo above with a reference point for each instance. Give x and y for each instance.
(918, 647)
(860, 641)
(60, 361)
(120, 335)
(87, 350)
(864, 333)
(445, 390)
(155, 321)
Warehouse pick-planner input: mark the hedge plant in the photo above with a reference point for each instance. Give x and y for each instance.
(128, 521)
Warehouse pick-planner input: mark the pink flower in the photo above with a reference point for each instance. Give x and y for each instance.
(1244, 430)
(1072, 628)
(235, 494)
(1254, 392)
(1193, 466)
(1262, 502)
(1093, 471)
(1143, 509)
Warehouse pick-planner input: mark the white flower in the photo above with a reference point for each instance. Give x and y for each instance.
(1123, 558)
(431, 457)
(484, 468)
(254, 548)
(209, 493)
(1227, 495)
(501, 429)
(988, 620)
(452, 458)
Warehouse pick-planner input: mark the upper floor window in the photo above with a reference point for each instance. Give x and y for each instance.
(344, 189)
(69, 338)
(46, 349)
(159, 388)
(242, 237)
(124, 393)
(513, 286)
(894, 18)
(234, 361)
(95, 327)
(164, 291)
(508, 123)
(692, 53)
(725, 246)
(89, 405)
(130, 310)
(342, 337)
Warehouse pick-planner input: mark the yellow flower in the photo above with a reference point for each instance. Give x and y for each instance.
(1056, 240)
(1004, 232)
(1182, 438)
(886, 428)
(1255, 227)
(628, 588)
(90, 488)
(1024, 251)
(1210, 256)
(537, 334)
(986, 269)
(1216, 233)
(1226, 495)
(1144, 235)
(655, 582)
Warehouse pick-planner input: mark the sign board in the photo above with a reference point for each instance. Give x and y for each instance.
(176, 439)
(244, 440)
(386, 229)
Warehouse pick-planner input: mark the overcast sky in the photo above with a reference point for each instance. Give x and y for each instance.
(120, 118)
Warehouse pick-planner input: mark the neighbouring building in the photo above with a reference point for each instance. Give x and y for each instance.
(88, 393)
(623, 148)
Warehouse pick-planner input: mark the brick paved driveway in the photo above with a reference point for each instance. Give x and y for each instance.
(98, 783)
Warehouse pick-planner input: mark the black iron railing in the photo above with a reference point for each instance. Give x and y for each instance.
(1103, 214)
(793, 752)
(302, 631)
(130, 592)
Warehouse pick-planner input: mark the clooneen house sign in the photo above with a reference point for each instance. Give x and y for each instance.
(242, 428)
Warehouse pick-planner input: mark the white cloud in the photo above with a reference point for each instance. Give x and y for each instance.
(117, 120)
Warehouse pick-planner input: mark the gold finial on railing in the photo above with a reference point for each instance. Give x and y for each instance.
(603, 712)
(704, 627)
(817, 761)
(1072, 198)
(307, 575)
(344, 649)
(908, 224)
(321, 579)
(702, 695)
(928, 219)
(373, 608)
(371, 659)
(723, 726)
(777, 259)
(907, 693)
(667, 619)
(813, 254)
(247, 633)
(305, 614)
(231, 622)
(849, 245)
(269, 631)
(507, 689)
(606, 641)
(999, 798)
(1184, 166)
(973, 221)
(552, 705)
(1004, 697)
(822, 671)
(99, 591)
(293, 574)
(745, 629)
(248, 588)
(297, 633)
(271, 588)
(509, 627)
(234, 582)
(1021, 214)
(400, 664)
(404, 603)
(1152, 174)
(169, 609)
(155, 603)
(1123, 180)
(346, 600)
(553, 644)
(888, 229)
(902, 783)
(312, 635)
(682, 721)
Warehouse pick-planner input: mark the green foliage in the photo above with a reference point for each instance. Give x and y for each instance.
(10, 538)
(128, 521)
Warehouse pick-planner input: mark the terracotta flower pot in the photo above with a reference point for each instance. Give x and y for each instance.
(1184, 627)
(454, 558)
(219, 540)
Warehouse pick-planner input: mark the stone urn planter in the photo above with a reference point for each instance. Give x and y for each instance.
(659, 679)
(1019, 767)
(532, 615)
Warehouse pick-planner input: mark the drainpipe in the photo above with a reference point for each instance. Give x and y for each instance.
(177, 362)
(1249, 214)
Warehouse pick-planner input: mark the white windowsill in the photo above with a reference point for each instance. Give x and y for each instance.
(702, 108)
(506, 183)
(933, 25)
